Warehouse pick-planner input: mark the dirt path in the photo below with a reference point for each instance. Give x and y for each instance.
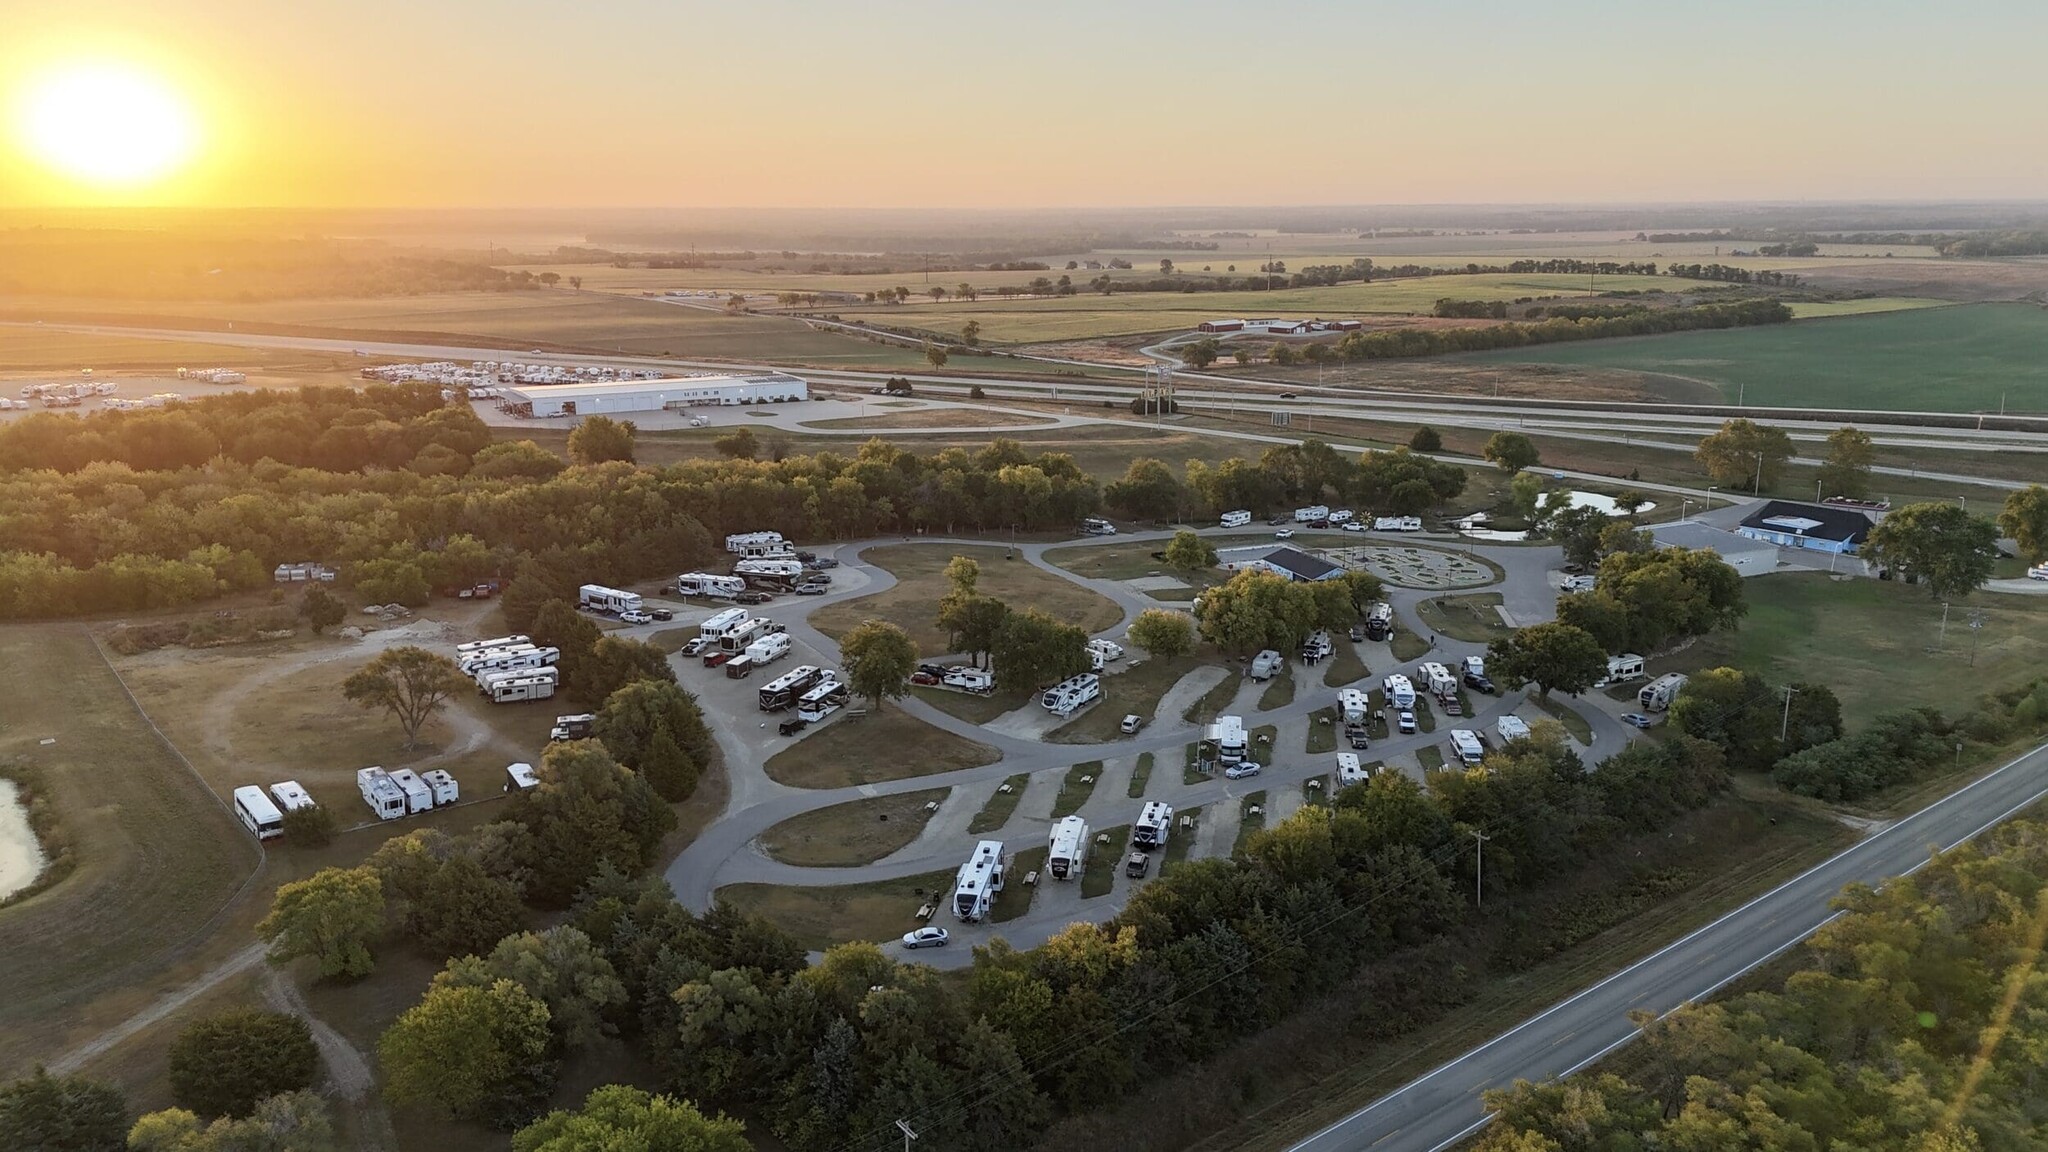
(348, 1071)
(234, 965)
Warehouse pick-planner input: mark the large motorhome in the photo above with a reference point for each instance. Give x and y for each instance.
(1465, 743)
(475, 646)
(1657, 695)
(978, 881)
(1096, 526)
(1620, 669)
(717, 626)
(579, 726)
(1237, 518)
(736, 638)
(1072, 694)
(1379, 622)
(1227, 736)
(517, 688)
(787, 688)
(257, 813)
(599, 598)
(709, 585)
(1154, 826)
(1067, 848)
(384, 797)
(828, 697)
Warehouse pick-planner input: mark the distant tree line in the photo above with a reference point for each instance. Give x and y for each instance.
(1405, 342)
(1733, 275)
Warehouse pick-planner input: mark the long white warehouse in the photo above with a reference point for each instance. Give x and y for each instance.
(611, 397)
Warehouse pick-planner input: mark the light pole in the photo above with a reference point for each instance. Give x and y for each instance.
(1683, 504)
(1711, 489)
(1479, 873)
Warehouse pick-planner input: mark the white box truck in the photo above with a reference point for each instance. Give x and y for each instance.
(1465, 744)
(418, 797)
(1237, 518)
(1154, 826)
(1067, 848)
(384, 797)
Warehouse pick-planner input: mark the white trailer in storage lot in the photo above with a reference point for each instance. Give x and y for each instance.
(257, 813)
(443, 785)
(517, 640)
(418, 797)
(603, 599)
(708, 584)
(520, 776)
(291, 796)
(517, 688)
(717, 626)
(1067, 848)
(384, 797)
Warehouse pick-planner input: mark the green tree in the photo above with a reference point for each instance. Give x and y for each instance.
(1255, 610)
(1164, 634)
(310, 826)
(615, 662)
(935, 354)
(2025, 519)
(1951, 551)
(1034, 649)
(601, 439)
(638, 713)
(286, 1122)
(515, 460)
(1188, 552)
(1745, 454)
(572, 634)
(1364, 588)
(476, 1052)
(970, 333)
(223, 1064)
(1511, 452)
(1147, 491)
(738, 444)
(1734, 709)
(616, 1118)
(62, 1114)
(332, 916)
(1426, 439)
(461, 908)
(1525, 492)
(1557, 656)
(973, 623)
(561, 968)
(879, 659)
(1845, 471)
(322, 609)
(587, 812)
(409, 682)
(1201, 353)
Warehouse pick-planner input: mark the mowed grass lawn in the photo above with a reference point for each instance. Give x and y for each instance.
(1871, 642)
(913, 603)
(1130, 691)
(820, 917)
(1960, 359)
(157, 856)
(886, 745)
(850, 835)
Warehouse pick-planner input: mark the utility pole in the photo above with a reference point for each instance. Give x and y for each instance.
(1943, 642)
(1758, 488)
(1479, 874)
(903, 1126)
(1785, 724)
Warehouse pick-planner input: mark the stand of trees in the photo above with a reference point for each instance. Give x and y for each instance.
(1896, 1030)
(1402, 342)
(1644, 600)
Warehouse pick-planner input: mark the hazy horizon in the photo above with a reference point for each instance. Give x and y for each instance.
(461, 104)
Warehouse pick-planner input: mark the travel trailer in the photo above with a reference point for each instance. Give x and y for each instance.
(1657, 695)
(1465, 743)
(1620, 669)
(1072, 694)
(979, 880)
(1227, 736)
(1154, 826)
(1067, 848)
(385, 798)
(1237, 518)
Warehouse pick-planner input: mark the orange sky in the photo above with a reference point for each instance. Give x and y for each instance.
(674, 102)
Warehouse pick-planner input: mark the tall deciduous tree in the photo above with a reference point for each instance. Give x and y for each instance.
(332, 916)
(62, 1114)
(1255, 610)
(1552, 656)
(1511, 452)
(1164, 634)
(635, 715)
(1745, 454)
(615, 662)
(1034, 649)
(2025, 519)
(561, 968)
(879, 659)
(601, 439)
(476, 1052)
(618, 1117)
(935, 355)
(409, 682)
(587, 812)
(1845, 470)
(1188, 552)
(1951, 551)
(224, 1064)
(1426, 439)
(1148, 491)
(322, 609)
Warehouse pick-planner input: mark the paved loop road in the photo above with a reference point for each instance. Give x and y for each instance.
(1443, 1106)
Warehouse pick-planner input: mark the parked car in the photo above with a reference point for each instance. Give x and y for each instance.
(811, 589)
(662, 614)
(815, 578)
(1289, 396)
(752, 596)
(1636, 720)
(1243, 769)
(1131, 724)
(933, 670)
(792, 726)
(1137, 865)
(1357, 633)
(804, 557)
(635, 618)
(1284, 534)
(1406, 721)
(1480, 682)
(1354, 526)
(1280, 520)
(926, 937)
(1450, 704)
(924, 679)
(824, 562)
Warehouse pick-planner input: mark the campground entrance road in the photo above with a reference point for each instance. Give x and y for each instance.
(1443, 1106)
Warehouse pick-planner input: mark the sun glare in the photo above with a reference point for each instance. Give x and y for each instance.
(109, 124)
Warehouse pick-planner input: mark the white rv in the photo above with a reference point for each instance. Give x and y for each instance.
(1107, 649)
(443, 786)
(475, 646)
(1397, 524)
(821, 701)
(1475, 665)
(978, 881)
(1620, 669)
(1311, 514)
(785, 689)
(1072, 694)
(1465, 743)
(1511, 728)
(517, 688)
(290, 796)
(487, 681)
(1657, 695)
(1067, 848)
(1237, 518)
(1439, 679)
(385, 798)
(768, 649)
(599, 598)
(1097, 526)
(1350, 771)
(1379, 622)
(979, 681)
(1400, 692)
(755, 543)
(1354, 706)
(511, 660)
(736, 638)
(708, 585)
(1227, 736)
(1340, 515)
(418, 797)
(1266, 665)
(577, 727)
(257, 813)
(778, 571)
(520, 776)
(1154, 826)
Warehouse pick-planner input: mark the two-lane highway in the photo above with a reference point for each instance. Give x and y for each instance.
(1444, 1105)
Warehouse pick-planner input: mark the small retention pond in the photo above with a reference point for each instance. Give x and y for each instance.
(21, 857)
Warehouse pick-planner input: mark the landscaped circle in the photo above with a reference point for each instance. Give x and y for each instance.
(1414, 566)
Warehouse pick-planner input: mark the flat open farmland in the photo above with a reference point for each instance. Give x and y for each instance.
(1816, 309)
(1960, 359)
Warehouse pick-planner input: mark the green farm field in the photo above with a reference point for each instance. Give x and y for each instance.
(1961, 359)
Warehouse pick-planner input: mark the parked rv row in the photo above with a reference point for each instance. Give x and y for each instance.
(510, 669)
(1072, 694)
(403, 792)
(302, 572)
(481, 375)
(264, 815)
(214, 375)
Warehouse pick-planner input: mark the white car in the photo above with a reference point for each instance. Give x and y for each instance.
(697, 646)
(1284, 534)
(1355, 526)
(926, 938)
(1406, 721)
(2038, 572)
(635, 618)
(1243, 769)
(1132, 723)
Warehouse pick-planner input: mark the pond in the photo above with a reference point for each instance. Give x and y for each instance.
(21, 857)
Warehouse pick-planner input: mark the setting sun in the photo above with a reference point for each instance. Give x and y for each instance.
(108, 124)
